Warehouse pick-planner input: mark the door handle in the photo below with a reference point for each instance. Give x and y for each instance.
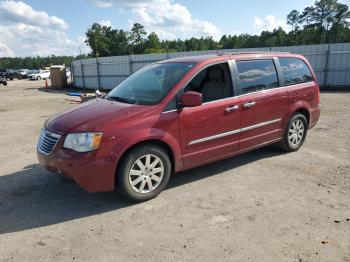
(231, 108)
(249, 104)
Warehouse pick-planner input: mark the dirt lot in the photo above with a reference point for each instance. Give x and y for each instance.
(261, 206)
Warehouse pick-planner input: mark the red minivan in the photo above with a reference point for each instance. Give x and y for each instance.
(178, 114)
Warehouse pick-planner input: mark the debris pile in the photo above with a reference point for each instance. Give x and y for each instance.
(84, 96)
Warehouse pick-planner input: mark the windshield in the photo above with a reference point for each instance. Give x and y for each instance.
(151, 84)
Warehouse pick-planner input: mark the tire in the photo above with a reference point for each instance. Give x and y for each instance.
(140, 190)
(295, 133)
(38, 78)
(4, 83)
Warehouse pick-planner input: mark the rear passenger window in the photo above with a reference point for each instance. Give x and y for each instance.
(256, 75)
(295, 71)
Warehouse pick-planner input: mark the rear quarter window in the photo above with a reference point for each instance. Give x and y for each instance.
(295, 71)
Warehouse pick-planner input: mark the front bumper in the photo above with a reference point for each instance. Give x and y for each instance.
(88, 170)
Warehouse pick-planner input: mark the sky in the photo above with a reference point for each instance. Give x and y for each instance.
(46, 27)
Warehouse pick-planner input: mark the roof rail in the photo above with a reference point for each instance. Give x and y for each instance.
(253, 52)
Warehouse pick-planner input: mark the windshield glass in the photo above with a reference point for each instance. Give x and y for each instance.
(151, 84)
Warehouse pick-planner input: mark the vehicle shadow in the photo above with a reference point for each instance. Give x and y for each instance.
(32, 197)
(55, 90)
(221, 166)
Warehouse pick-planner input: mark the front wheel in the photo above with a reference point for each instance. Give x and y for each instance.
(38, 78)
(295, 133)
(144, 173)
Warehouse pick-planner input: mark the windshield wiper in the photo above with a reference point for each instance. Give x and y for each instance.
(120, 99)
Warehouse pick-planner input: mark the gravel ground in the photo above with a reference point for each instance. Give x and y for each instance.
(261, 206)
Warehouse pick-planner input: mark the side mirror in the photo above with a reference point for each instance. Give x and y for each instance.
(191, 99)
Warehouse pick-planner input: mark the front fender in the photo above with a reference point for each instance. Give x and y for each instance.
(148, 134)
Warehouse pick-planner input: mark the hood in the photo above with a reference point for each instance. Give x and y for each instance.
(95, 115)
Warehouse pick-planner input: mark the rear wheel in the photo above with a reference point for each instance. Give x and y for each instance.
(295, 133)
(143, 173)
(38, 78)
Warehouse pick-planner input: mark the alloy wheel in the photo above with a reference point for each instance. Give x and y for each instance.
(296, 132)
(146, 173)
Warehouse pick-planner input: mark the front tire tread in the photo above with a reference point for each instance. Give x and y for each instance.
(123, 186)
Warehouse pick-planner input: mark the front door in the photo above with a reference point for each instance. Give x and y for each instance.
(210, 131)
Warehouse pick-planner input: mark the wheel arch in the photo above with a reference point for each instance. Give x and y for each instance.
(301, 107)
(304, 111)
(157, 142)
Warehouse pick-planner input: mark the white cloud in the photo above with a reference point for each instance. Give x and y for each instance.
(269, 23)
(28, 32)
(5, 50)
(165, 17)
(29, 40)
(105, 23)
(21, 12)
(258, 22)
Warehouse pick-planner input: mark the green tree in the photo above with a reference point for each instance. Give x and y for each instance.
(153, 42)
(137, 38)
(118, 42)
(325, 19)
(98, 38)
(293, 19)
(341, 19)
(306, 17)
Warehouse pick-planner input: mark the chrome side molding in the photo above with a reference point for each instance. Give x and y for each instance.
(233, 132)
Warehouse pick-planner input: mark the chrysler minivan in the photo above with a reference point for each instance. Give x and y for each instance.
(181, 113)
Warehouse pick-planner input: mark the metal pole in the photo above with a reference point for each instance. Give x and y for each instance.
(98, 73)
(326, 68)
(130, 64)
(72, 78)
(82, 68)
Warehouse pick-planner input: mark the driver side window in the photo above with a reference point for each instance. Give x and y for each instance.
(213, 82)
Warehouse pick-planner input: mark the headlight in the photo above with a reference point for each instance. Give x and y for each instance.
(83, 142)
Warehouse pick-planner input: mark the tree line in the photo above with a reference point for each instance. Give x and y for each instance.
(326, 21)
(36, 62)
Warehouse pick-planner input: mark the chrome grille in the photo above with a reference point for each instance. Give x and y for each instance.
(47, 141)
